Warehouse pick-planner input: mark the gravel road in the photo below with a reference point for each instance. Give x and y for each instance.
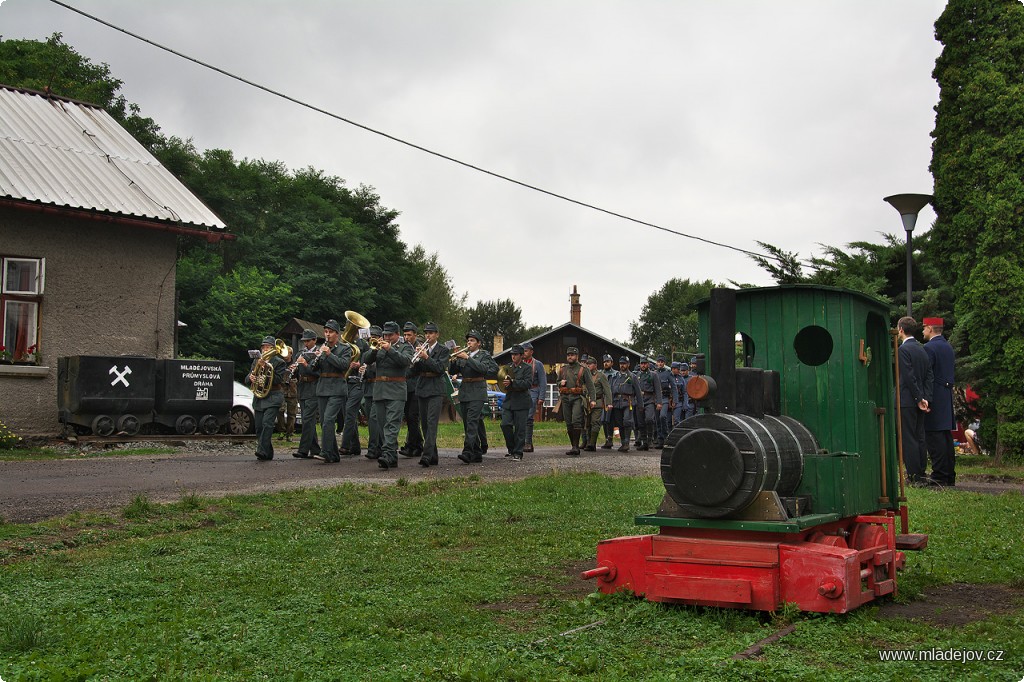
(33, 491)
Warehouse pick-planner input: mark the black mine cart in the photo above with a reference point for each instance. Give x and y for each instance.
(106, 395)
(194, 395)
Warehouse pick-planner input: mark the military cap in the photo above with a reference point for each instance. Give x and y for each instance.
(684, 365)
(572, 350)
(932, 322)
(527, 345)
(661, 358)
(430, 327)
(390, 327)
(409, 327)
(645, 359)
(675, 365)
(624, 359)
(333, 324)
(473, 334)
(375, 331)
(607, 357)
(591, 360)
(268, 341)
(517, 349)
(308, 335)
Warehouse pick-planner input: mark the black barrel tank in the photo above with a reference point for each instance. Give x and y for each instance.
(714, 465)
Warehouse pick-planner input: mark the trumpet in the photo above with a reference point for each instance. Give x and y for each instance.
(416, 353)
(456, 351)
(375, 342)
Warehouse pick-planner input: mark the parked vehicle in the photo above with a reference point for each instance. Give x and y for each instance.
(243, 419)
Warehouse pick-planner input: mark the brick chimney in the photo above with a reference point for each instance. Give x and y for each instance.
(574, 309)
(499, 343)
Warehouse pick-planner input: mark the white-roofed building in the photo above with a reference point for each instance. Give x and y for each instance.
(89, 222)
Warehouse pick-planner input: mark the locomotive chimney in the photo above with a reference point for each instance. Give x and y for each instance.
(723, 349)
(574, 309)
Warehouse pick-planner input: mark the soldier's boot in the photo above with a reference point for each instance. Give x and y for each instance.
(607, 442)
(592, 443)
(624, 437)
(574, 437)
(572, 440)
(529, 437)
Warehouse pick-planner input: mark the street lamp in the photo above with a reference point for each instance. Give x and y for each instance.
(909, 205)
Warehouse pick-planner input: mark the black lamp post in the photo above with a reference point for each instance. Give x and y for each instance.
(909, 205)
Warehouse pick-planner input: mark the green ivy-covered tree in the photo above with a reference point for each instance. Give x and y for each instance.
(978, 165)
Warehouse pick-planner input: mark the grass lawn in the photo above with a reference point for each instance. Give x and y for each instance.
(453, 580)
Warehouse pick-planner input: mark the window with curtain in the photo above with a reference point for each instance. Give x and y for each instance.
(21, 294)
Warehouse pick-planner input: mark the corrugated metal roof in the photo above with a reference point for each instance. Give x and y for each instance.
(66, 153)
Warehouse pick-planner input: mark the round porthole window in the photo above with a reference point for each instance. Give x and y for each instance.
(813, 345)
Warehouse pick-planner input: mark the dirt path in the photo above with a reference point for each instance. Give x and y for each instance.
(33, 491)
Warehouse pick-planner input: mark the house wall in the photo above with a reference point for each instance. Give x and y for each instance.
(109, 291)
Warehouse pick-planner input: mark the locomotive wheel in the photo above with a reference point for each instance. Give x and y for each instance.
(208, 425)
(103, 425)
(128, 424)
(186, 425)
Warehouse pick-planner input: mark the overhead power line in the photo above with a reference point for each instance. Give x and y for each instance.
(413, 145)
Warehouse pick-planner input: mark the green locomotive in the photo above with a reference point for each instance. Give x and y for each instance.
(786, 487)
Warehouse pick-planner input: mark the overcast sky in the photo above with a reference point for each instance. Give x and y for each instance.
(735, 121)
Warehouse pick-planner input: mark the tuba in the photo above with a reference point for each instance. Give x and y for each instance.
(263, 371)
(354, 323)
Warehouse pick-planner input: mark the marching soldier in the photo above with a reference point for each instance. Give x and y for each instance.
(669, 397)
(429, 365)
(332, 388)
(369, 370)
(602, 403)
(474, 365)
(286, 416)
(517, 403)
(393, 357)
(266, 408)
(413, 437)
(538, 391)
(650, 388)
(626, 395)
(306, 376)
(606, 417)
(576, 388)
(350, 445)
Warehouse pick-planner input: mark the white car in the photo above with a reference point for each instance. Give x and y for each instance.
(243, 419)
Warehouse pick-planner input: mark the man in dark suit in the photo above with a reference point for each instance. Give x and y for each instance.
(915, 390)
(428, 366)
(939, 423)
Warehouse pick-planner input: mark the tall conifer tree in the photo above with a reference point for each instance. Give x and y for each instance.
(978, 166)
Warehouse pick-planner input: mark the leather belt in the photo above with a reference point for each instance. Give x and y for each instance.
(430, 375)
(307, 380)
(573, 391)
(648, 392)
(470, 380)
(390, 379)
(331, 375)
